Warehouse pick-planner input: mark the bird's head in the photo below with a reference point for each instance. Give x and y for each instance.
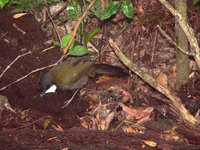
(46, 84)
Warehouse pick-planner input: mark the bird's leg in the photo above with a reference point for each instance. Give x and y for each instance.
(66, 103)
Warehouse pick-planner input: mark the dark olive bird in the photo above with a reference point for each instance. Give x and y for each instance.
(74, 74)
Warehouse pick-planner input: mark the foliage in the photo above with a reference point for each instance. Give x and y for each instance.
(76, 49)
(28, 5)
(195, 1)
(74, 7)
(66, 39)
(127, 9)
(92, 34)
(3, 2)
(111, 9)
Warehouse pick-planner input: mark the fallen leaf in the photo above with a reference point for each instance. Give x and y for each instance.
(137, 112)
(19, 15)
(162, 79)
(150, 143)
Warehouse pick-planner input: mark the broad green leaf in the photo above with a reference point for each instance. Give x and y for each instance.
(92, 34)
(127, 9)
(111, 9)
(3, 2)
(96, 9)
(78, 51)
(66, 39)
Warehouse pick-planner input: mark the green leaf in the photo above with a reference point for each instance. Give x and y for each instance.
(65, 40)
(127, 9)
(195, 1)
(96, 9)
(47, 49)
(111, 9)
(92, 53)
(92, 34)
(55, 43)
(3, 2)
(78, 51)
(72, 10)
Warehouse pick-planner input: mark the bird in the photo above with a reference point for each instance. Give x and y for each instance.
(74, 74)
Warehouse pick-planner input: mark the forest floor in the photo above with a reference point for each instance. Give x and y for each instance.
(110, 112)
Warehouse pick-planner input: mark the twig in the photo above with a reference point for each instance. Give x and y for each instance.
(14, 62)
(3, 34)
(132, 55)
(22, 126)
(115, 36)
(54, 26)
(19, 29)
(54, 15)
(174, 43)
(154, 43)
(36, 70)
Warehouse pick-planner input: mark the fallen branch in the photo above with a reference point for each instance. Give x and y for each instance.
(174, 43)
(175, 102)
(189, 32)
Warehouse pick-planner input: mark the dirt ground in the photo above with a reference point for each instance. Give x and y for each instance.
(25, 128)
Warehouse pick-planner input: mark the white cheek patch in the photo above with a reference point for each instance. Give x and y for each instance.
(52, 89)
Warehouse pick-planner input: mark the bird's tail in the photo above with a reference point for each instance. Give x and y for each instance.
(110, 70)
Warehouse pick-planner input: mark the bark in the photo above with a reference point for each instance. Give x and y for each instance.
(182, 60)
